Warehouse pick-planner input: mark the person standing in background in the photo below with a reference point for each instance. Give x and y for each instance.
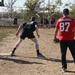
(15, 21)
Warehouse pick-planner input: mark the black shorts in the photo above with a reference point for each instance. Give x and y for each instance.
(52, 22)
(27, 33)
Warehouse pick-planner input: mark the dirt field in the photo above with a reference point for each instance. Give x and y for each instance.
(26, 62)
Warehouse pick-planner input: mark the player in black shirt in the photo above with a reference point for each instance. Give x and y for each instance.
(27, 31)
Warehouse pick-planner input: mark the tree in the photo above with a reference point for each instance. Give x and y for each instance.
(31, 5)
(58, 2)
(68, 4)
(53, 6)
(9, 6)
(72, 11)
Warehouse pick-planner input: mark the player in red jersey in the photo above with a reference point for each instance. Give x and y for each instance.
(65, 27)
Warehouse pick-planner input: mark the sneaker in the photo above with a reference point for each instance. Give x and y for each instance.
(64, 70)
(12, 54)
(40, 55)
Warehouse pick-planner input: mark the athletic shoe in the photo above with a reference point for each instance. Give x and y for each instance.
(12, 54)
(64, 70)
(40, 55)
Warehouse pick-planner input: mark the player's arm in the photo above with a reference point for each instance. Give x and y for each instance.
(56, 31)
(37, 30)
(18, 30)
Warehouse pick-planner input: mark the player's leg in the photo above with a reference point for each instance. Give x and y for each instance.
(16, 46)
(36, 44)
(44, 26)
(51, 24)
(72, 49)
(22, 37)
(63, 48)
(48, 26)
(31, 36)
(37, 47)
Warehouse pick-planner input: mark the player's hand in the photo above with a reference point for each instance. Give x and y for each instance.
(56, 40)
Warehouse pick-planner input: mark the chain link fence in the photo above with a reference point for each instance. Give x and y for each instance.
(4, 22)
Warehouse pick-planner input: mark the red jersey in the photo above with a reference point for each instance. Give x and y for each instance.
(66, 26)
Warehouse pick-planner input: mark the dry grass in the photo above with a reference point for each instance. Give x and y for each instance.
(4, 32)
(26, 63)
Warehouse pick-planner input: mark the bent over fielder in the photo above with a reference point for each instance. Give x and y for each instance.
(28, 29)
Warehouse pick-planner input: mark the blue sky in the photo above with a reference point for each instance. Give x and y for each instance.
(19, 3)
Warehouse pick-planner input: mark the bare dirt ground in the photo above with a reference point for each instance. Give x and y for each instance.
(26, 62)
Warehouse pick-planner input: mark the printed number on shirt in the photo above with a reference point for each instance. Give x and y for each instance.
(64, 26)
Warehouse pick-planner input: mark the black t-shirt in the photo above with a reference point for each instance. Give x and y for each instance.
(30, 25)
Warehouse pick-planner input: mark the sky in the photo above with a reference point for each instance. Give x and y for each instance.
(19, 3)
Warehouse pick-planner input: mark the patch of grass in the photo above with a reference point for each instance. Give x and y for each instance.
(4, 32)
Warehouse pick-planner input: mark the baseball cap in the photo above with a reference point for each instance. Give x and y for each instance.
(66, 11)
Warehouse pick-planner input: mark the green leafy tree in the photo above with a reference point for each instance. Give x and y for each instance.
(53, 6)
(72, 11)
(31, 5)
